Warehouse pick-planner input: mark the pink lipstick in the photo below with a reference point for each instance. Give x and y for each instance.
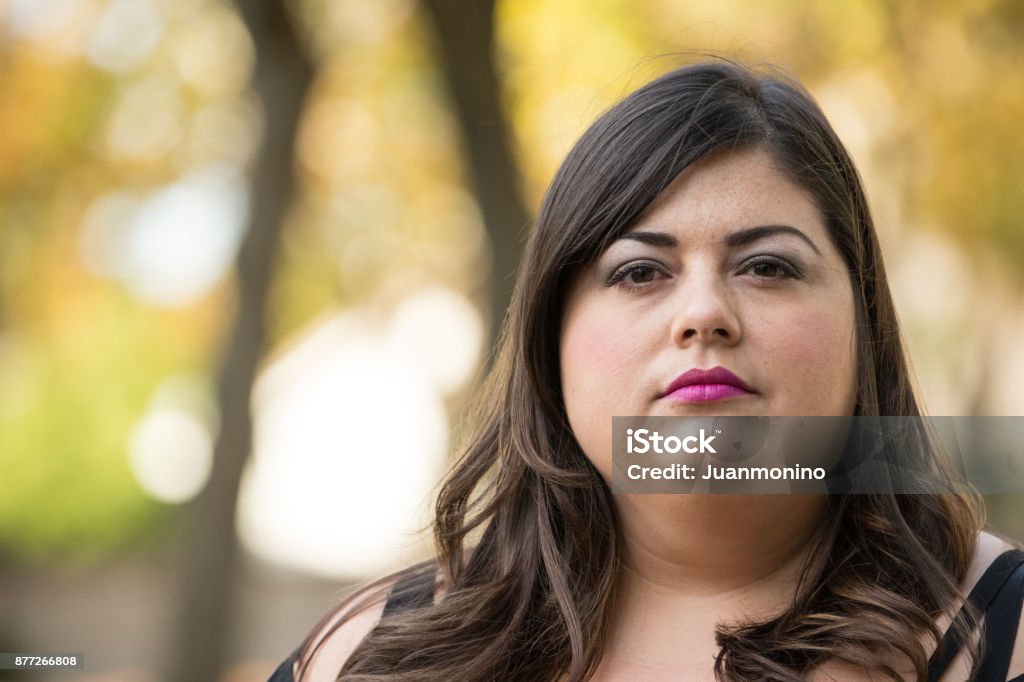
(705, 385)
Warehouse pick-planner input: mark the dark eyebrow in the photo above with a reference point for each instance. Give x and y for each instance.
(662, 240)
(752, 234)
(665, 240)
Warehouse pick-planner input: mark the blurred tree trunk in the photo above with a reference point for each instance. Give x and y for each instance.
(465, 48)
(282, 77)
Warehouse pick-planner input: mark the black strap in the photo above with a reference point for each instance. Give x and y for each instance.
(1001, 627)
(996, 581)
(412, 591)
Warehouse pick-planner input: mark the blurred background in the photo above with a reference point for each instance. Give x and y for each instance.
(239, 240)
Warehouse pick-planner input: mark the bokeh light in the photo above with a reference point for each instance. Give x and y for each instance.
(352, 434)
(172, 245)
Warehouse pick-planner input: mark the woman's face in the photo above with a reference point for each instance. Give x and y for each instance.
(731, 267)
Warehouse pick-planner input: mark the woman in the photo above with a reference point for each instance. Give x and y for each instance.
(712, 227)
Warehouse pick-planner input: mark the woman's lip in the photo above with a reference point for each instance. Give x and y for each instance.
(707, 377)
(702, 393)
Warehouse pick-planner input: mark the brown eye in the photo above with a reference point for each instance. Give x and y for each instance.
(771, 268)
(635, 275)
(641, 274)
(766, 270)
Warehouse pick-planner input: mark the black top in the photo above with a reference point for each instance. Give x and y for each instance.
(999, 594)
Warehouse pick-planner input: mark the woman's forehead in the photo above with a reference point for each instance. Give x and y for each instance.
(737, 189)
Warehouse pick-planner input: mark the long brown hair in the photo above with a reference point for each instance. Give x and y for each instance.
(532, 600)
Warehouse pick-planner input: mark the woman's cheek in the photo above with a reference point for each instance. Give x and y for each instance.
(598, 350)
(599, 378)
(813, 358)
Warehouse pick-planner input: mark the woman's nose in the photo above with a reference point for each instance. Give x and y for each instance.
(703, 312)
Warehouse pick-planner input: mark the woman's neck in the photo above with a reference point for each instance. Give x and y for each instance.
(717, 547)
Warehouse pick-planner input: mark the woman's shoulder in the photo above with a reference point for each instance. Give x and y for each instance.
(337, 635)
(344, 628)
(989, 548)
